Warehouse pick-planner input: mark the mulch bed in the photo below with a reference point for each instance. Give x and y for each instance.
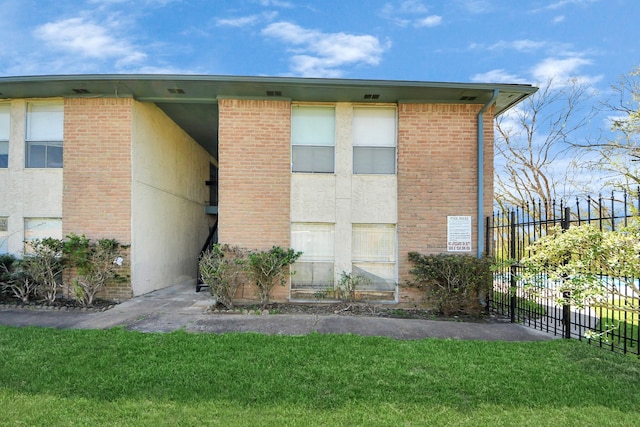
(60, 304)
(351, 309)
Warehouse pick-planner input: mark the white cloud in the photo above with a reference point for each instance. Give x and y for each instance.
(563, 3)
(558, 19)
(518, 45)
(475, 6)
(555, 71)
(77, 36)
(497, 76)
(275, 3)
(146, 2)
(429, 21)
(238, 22)
(562, 70)
(318, 54)
(403, 14)
(413, 6)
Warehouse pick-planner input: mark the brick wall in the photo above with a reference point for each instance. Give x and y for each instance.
(96, 197)
(254, 175)
(437, 176)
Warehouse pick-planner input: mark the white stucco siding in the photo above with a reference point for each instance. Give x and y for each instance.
(313, 198)
(169, 224)
(343, 198)
(374, 199)
(27, 193)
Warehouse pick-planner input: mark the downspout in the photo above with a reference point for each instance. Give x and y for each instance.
(481, 230)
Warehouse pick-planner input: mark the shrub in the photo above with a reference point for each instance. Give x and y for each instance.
(7, 262)
(95, 264)
(454, 283)
(222, 268)
(348, 284)
(268, 268)
(44, 267)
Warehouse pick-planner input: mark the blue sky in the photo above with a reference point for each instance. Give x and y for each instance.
(485, 41)
(507, 41)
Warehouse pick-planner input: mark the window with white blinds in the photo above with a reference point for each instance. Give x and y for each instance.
(45, 124)
(4, 135)
(374, 140)
(314, 269)
(374, 254)
(313, 143)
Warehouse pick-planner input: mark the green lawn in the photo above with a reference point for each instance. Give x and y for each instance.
(116, 378)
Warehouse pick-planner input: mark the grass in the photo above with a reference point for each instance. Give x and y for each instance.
(117, 377)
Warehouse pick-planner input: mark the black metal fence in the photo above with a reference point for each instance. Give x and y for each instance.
(509, 237)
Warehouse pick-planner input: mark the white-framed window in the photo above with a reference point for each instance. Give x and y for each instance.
(5, 114)
(314, 268)
(313, 139)
(374, 255)
(45, 123)
(39, 228)
(374, 140)
(4, 235)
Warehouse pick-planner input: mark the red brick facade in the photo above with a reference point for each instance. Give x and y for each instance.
(96, 198)
(437, 174)
(254, 175)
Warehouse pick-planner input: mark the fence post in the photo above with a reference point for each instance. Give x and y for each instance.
(513, 269)
(566, 307)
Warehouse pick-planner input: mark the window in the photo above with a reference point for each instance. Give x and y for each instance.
(313, 144)
(374, 255)
(4, 235)
(4, 135)
(39, 228)
(374, 140)
(314, 269)
(44, 135)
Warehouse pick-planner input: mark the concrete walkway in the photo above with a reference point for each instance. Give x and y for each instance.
(179, 307)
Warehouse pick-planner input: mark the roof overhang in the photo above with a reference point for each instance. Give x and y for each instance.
(192, 100)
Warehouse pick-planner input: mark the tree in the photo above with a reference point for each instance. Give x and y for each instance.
(585, 266)
(534, 141)
(617, 156)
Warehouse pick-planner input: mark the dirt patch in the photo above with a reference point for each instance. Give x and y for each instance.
(350, 309)
(61, 304)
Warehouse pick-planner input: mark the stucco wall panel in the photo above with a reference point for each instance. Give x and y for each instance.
(169, 194)
(35, 193)
(313, 198)
(42, 193)
(374, 199)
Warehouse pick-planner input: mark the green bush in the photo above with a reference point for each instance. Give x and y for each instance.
(222, 268)
(95, 264)
(7, 262)
(348, 284)
(455, 284)
(268, 268)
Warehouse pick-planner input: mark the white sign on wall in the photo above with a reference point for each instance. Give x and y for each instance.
(459, 234)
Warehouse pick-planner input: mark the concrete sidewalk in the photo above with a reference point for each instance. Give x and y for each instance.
(180, 307)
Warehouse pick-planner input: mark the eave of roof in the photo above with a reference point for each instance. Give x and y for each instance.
(191, 100)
